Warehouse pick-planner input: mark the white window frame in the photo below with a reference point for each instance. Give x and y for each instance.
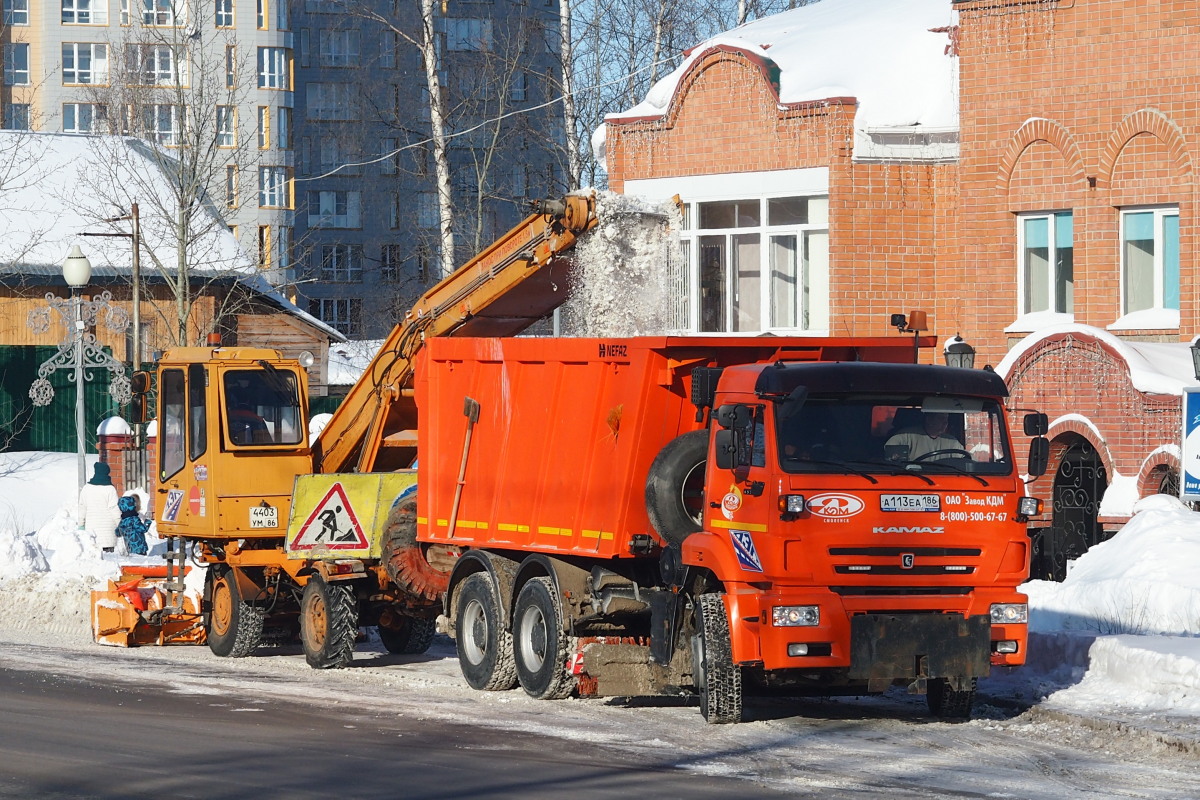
(158, 64)
(161, 122)
(341, 313)
(341, 263)
(162, 13)
(84, 12)
(1028, 318)
(389, 44)
(274, 68)
(334, 209)
(75, 113)
(467, 34)
(223, 14)
(1158, 314)
(338, 48)
(94, 55)
(16, 12)
(274, 185)
(226, 126)
(16, 64)
(16, 116)
(391, 256)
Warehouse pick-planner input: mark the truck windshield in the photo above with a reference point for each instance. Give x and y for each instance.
(262, 407)
(930, 434)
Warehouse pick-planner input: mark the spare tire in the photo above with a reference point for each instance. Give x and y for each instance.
(675, 487)
(407, 561)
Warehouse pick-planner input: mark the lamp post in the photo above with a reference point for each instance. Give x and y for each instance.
(79, 350)
(135, 235)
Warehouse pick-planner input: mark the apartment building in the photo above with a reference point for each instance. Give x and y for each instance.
(319, 110)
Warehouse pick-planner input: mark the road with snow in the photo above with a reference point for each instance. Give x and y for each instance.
(834, 748)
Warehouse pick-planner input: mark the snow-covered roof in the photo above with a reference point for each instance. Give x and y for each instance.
(55, 187)
(883, 53)
(1154, 367)
(348, 360)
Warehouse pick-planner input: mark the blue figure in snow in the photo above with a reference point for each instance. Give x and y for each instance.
(132, 527)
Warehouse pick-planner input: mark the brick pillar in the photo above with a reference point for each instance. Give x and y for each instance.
(112, 448)
(151, 475)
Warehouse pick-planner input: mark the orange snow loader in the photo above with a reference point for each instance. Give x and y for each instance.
(630, 516)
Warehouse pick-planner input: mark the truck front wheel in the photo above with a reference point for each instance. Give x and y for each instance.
(718, 679)
(949, 703)
(540, 643)
(485, 652)
(328, 623)
(233, 626)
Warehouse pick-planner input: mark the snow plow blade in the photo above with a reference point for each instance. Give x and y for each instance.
(133, 611)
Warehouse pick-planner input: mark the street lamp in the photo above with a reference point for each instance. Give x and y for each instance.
(79, 350)
(135, 235)
(959, 354)
(1195, 348)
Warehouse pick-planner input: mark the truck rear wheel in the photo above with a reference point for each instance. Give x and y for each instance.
(718, 679)
(233, 626)
(328, 623)
(540, 643)
(949, 703)
(675, 487)
(412, 637)
(485, 652)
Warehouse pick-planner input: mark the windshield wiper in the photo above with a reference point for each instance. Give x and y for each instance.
(913, 466)
(896, 469)
(839, 464)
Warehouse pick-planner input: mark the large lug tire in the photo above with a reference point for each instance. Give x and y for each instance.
(718, 679)
(540, 643)
(421, 570)
(328, 623)
(948, 703)
(675, 487)
(411, 638)
(485, 652)
(233, 626)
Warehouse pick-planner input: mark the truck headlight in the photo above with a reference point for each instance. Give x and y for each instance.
(1010, 613)
(1029, 507)
(791, 503)
(795, 616)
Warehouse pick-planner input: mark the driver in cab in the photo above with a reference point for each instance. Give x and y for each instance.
(912, 444)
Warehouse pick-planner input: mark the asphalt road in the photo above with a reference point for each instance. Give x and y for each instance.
(64, 737)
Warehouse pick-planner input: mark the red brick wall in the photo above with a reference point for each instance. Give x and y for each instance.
(1087, 105)
(890, 224)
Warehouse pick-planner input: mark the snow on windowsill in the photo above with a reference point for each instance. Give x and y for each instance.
(1027, 323)
(1150, 319)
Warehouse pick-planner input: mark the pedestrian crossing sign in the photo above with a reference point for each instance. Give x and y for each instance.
(332, 525)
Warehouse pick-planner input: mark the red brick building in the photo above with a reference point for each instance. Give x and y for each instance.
(1054, 211)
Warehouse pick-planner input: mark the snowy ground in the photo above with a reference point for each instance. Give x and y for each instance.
(1118, 643)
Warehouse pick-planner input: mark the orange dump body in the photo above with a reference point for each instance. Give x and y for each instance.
(567, 430)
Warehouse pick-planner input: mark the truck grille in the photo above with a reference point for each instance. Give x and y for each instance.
(880, 591)
(932, 552)
(893, 569)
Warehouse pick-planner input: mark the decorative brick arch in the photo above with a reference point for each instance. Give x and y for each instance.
(1040, 130)
(1060, 441)
(1149, 121)
(714, 56)
(1150, 478)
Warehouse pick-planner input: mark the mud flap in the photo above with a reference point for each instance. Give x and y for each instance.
(886, 647)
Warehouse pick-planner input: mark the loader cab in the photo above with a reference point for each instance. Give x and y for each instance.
(232, 434)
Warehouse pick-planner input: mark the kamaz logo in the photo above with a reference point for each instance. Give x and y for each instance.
(906, 529)
(834, 505)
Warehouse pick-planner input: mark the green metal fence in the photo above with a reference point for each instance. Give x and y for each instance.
(24, 426)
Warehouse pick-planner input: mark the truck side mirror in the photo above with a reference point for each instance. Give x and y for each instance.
(1036, 424)
(1039, 456)
(725, 448)
(139, 382)
(733, 415)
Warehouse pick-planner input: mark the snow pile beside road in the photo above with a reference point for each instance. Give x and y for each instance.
(1145, 580)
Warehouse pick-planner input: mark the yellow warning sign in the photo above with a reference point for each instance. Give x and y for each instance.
(332, 523)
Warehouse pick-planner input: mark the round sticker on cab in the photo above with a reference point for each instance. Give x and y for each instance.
(731, 502)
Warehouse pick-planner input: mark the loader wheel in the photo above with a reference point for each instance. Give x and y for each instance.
(233, 626)
(540, 643)
(950, 703)
(485, 652)
(412, 637)
(675, 487)
(328, 623)
(421, 570)
(718, 679)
